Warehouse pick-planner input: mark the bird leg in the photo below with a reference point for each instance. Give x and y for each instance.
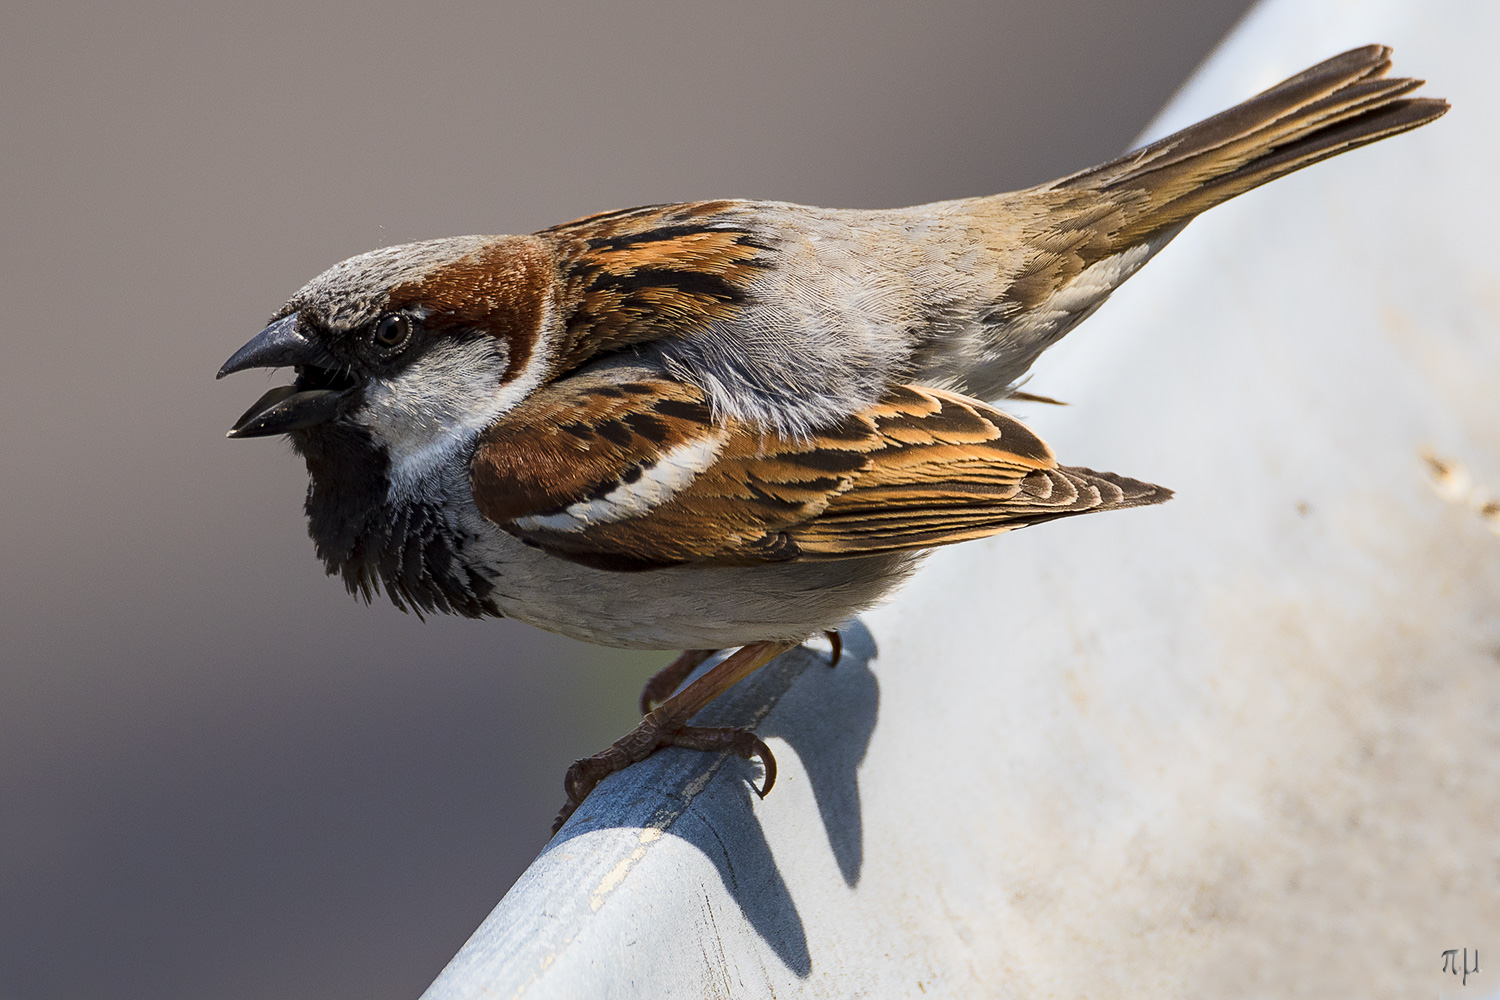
(667, 726)
(662, 683)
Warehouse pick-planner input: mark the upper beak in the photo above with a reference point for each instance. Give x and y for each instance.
(280, 345)
(284, 408)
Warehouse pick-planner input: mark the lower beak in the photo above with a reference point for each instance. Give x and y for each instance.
(285, 409)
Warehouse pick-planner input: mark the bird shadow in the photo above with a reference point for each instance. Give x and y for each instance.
(826, 716)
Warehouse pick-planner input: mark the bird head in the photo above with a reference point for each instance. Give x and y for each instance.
(415, 348)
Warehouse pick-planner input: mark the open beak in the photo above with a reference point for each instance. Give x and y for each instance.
(309, 401)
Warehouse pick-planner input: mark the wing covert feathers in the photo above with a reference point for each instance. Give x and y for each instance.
(657, 271)
(638, 474)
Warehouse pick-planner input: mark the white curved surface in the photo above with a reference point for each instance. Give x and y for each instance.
(1243, 744)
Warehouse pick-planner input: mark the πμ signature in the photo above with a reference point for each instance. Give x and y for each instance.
(1451, 963)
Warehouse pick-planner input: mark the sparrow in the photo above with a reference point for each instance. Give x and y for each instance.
(734, 424)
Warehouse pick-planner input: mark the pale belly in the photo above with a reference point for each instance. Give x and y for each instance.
(682, 607)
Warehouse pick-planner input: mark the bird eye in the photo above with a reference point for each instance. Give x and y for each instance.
(392, 331)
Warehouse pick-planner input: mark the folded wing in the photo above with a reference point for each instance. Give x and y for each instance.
(637, 473)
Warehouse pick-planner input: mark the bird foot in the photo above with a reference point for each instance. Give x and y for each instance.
(648, 737)
(667, 726)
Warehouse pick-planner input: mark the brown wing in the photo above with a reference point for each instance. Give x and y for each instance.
(633, 474)
(639, 474)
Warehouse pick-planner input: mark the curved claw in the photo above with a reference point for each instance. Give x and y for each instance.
(740, 742)
(562, 816)
(578, 783)
(584, 774)
(837, 641)
(767, 763)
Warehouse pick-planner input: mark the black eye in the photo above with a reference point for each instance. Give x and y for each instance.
(392, 331)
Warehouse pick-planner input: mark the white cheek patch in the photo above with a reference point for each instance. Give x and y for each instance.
(671, 473)
(436, 407)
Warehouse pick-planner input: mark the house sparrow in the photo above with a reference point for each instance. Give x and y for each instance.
(731, 423)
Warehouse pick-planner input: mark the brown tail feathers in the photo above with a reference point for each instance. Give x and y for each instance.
(1337, 105)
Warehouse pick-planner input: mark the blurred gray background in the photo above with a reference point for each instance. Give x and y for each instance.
(219, 775)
